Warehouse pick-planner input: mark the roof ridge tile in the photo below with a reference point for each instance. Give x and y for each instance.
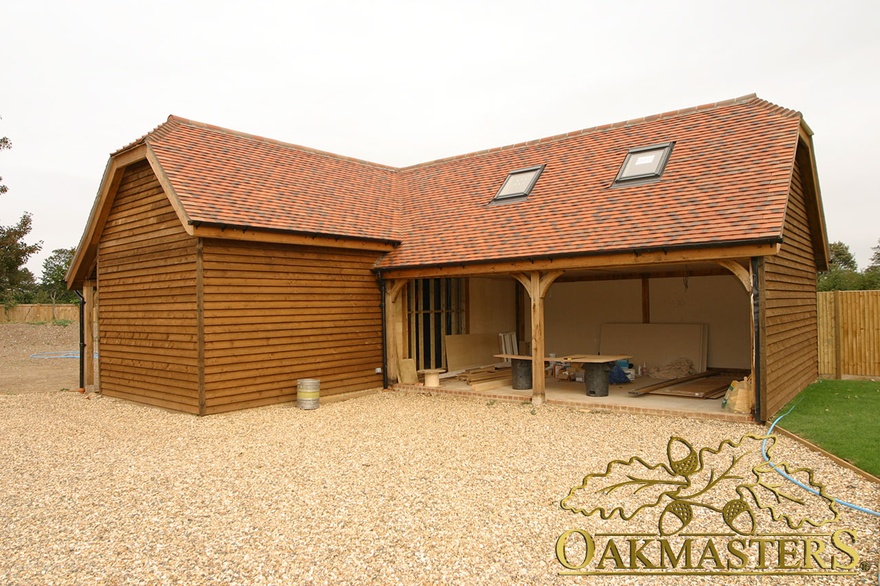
(272, 141)
(621, 124)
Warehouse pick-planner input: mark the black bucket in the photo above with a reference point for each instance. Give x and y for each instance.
(596, 379)
(522, 374)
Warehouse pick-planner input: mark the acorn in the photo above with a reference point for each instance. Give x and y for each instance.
(675, 517)
(687, 465)
(739, 517)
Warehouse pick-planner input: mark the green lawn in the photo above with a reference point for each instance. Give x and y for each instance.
(840, 416)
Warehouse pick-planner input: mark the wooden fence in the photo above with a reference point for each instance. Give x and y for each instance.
(849, 334)
(40, 313)
(849, 330)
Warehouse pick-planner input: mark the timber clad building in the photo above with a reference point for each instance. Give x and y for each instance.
(223, 267)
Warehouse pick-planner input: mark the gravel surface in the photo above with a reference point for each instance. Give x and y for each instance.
(392, 488)
(25, 366)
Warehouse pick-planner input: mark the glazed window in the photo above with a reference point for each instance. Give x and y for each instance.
(519, 183)
(644, 163)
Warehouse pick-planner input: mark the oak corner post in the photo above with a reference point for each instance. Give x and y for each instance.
(537, 284)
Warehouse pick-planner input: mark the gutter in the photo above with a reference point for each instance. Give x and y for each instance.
(756, 309)
(82, 339)
(380, 281)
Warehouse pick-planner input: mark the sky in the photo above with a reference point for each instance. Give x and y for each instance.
(405, 82)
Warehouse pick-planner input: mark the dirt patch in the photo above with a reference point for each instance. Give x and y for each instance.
(38, 358)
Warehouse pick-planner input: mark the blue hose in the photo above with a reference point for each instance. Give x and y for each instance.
(807, 488)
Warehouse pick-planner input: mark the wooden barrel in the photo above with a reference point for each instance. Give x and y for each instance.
(308, 392)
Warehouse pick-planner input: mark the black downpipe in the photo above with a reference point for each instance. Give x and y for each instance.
(82, 340)
(381, 283)
(756, 309)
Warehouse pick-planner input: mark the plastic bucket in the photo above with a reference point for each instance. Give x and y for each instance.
(308, 393)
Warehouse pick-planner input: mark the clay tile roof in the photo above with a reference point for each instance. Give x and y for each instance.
(726, 182)
(229, 178)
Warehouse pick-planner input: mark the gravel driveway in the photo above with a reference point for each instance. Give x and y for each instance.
(392, 488)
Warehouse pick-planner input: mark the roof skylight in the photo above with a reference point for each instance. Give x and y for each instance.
(519, 183)
(644, 162)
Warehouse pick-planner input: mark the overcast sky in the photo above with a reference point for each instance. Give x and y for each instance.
(404, 82)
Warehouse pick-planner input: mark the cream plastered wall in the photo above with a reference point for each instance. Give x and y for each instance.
(721, 302)
(574, 312)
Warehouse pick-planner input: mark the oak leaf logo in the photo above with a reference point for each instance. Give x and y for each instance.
(723, 480)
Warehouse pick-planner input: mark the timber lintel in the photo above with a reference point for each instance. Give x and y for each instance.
(609, 262)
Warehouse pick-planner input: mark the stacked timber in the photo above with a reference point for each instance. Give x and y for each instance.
(486, 378)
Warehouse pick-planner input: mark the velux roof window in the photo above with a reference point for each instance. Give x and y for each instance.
(644, 163)
(519, 183)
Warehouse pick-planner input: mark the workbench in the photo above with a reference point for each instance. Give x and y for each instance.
(596, 369)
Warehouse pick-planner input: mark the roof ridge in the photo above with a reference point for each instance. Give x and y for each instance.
(139, 141)
(248, 136)
(631, 122)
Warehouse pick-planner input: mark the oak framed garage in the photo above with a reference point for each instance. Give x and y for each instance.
(230, 265)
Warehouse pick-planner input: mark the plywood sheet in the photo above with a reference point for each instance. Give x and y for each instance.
(469, 350)
(406, 371)
(657, 344)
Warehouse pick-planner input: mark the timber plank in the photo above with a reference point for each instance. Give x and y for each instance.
(122, 380)
(162, 403)
(319, 320)
(182, 367)
(213, 309)
(290, 294)
(344, 361)
(301, 328)
(329, 387)
(341, 353)
(282, 339)
(221, 384)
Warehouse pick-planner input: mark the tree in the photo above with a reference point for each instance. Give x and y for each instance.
(875, 258)
(5, 143)
(843, 273)
(16, 281)
(17, 284)
(841, 257)
(53, 286)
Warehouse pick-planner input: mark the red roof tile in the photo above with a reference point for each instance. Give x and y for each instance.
(228, 178)
(726, 182)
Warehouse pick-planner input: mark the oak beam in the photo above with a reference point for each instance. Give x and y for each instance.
(605, 262)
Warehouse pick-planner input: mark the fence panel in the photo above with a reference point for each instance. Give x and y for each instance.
(849, 333)
(27, 313)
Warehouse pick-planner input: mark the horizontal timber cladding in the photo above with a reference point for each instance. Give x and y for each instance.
(147, 315)
(274, 314)
(790, 331)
